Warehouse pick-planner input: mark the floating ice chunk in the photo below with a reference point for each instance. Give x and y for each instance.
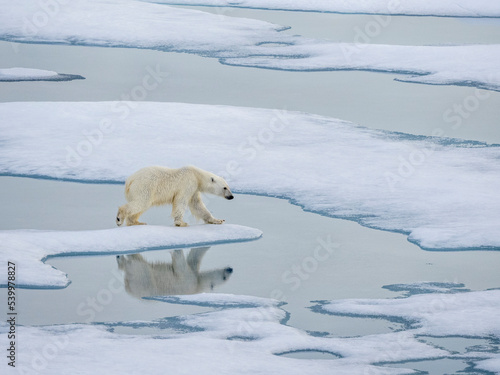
(445, 8)
(25, 74)
(473, 314)
(442, 192)
(468, 65)
(29, 248)
(492, 364)
(466, 314)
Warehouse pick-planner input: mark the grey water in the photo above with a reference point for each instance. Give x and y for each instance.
(282, 263)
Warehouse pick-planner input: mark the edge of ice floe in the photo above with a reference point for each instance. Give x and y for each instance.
(34, 257)
(218, 300)
(30, 75)
(403, 76)
(339, 10)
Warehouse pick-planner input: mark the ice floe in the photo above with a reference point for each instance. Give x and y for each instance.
(468, 314)
(26, 74)
(441, 192)
(466, 65)
(244, 42)
(227, 341)
(129, 24)
(445, 8)
(29, 248)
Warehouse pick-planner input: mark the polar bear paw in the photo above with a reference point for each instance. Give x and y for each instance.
(215, 221)
(181, 224)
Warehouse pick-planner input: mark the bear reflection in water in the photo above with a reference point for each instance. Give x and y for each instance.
(182, 276)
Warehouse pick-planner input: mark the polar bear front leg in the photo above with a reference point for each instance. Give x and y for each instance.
(200, 211)
(178, 208)
(179, 263)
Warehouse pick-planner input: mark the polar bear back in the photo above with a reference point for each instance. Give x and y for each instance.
(157, 185)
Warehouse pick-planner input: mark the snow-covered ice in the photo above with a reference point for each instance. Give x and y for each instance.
(442, 192)
(27, 74)
(227, 341)
(444, 8)
(29, 248)
(469, 314)
(244, 42)
(472, 314)
(128, 23)
(467, 65)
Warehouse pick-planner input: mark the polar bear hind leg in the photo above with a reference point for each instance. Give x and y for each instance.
(178, 208)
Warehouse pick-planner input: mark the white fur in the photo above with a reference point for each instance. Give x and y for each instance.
(182, 188)
(143, 278)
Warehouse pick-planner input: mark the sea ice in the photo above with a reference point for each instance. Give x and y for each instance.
(25, 74)
(466, 65)
(444, 8)
(246, 42)
(29, 248)
(470, 314)
(228, 341)
(441, 192)
(128, 23)
(463, 314)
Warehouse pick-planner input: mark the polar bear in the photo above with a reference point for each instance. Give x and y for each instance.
(145, 279)
(182, 188)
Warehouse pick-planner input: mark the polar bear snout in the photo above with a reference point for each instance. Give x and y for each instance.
(227, 193)
(227, 272)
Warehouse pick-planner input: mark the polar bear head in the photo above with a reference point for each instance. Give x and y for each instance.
(218, 186)
(208, 280)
